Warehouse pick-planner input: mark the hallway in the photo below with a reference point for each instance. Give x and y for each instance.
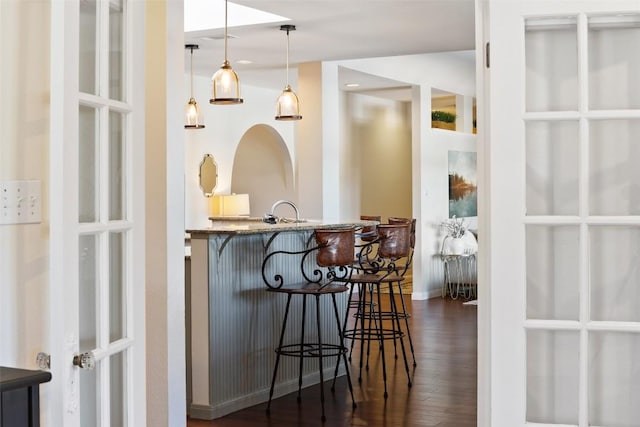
(444, 382)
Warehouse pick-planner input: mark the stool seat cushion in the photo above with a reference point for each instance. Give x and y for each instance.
(373, 278)
(307, 288)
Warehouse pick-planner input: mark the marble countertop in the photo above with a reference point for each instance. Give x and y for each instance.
(249, 225)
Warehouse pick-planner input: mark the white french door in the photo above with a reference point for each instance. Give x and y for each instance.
(97, 213)
(565, 213)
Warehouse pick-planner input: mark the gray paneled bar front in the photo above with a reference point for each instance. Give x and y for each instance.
(235, 323)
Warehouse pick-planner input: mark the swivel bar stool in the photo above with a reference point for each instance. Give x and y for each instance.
(371, 323)
(365, 253)
(334, 254)
(369, 260)
(401, 270)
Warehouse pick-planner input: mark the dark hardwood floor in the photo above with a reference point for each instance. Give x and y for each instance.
(444, 382)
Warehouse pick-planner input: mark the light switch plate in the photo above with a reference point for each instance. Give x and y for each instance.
(20, 202)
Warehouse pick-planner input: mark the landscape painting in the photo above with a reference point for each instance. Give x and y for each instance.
(463, 193)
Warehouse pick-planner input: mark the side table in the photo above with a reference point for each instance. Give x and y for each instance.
(459, 275)
(20, 396)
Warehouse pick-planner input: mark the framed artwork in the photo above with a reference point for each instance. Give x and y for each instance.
(463, 193)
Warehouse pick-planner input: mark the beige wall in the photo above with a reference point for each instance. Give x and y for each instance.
(164, 194)
(156, 202)
(309, 141)
(24, 155)
(380, 135)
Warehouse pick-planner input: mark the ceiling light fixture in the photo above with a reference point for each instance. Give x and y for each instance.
(226, 87)
(288, 106)
(193, 117)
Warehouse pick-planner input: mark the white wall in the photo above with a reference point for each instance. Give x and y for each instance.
(262, 168)
(435, 199)
(224, 127)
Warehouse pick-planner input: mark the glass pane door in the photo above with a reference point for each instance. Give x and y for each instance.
(566, 214)
(97, 225)
(105, 222)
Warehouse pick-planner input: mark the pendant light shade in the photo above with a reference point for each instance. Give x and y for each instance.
(193, 117)
(288, 105)
(226, 87)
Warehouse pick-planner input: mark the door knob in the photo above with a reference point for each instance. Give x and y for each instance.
(43, 360)
(85, 360)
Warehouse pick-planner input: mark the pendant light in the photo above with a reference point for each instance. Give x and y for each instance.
(226, 87)
(288, 105)
(193, 117)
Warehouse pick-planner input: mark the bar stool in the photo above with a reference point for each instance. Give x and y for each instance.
(334, 254)
(368, 260)
(401, 270)
(392, 245)
(364, 254)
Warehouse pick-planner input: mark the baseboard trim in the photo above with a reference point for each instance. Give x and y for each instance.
(433, 293)
(210, 412)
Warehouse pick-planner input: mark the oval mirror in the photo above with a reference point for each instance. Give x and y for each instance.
(208, 175)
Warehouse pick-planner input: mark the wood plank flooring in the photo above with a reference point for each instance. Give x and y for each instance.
(444, 381)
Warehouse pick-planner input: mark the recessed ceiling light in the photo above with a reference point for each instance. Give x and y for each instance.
(352, 85)
(209, 15)
(244, 61)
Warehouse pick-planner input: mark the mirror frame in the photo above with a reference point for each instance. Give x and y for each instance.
(208, 175)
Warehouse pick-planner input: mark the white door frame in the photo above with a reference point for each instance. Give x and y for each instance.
(483, 86)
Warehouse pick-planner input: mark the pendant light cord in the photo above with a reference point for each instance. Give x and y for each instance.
(287, 57)
(191, 72)
(225, 31)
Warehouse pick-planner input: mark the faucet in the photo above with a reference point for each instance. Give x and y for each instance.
(272, 219)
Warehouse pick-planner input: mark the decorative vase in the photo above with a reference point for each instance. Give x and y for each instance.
(453, 246)
(457, 246)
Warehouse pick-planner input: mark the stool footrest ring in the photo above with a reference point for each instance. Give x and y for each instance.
(376, 334)
(311, 350)
(386, 315)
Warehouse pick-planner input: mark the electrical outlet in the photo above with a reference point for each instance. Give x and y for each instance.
(20, 202)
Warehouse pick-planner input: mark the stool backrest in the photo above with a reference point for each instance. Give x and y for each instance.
(369, 231)
(412, 230)
(394, 240)
(336, 247)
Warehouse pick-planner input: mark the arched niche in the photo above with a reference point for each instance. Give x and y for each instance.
(262, 168)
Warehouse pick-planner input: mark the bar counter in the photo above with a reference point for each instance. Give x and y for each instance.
(234, 323)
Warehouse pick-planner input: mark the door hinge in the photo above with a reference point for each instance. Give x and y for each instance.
(487, 57)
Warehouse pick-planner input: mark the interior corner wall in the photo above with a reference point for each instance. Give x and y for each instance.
(453, 72)
(350, 166)
(156, 215)
(436, 200)
(332, 145)
(164, 200)
(309, 139)
(225, 127)
(380, 139)
(262, 169)
(24, 155)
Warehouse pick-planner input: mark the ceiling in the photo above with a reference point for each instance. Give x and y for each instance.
(335, 30)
